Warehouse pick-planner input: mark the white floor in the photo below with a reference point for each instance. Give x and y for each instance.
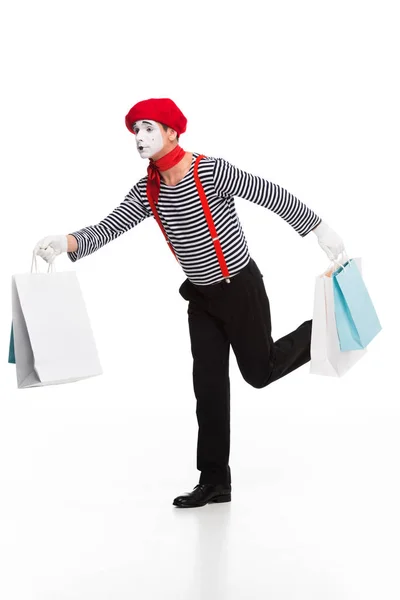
(87, 487)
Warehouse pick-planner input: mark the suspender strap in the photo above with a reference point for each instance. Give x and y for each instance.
(208, 215)
(153, 208)
(210, 222)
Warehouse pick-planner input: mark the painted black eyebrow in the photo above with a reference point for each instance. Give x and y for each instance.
(148, 122)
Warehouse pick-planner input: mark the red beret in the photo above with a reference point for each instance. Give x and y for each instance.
(162, 110)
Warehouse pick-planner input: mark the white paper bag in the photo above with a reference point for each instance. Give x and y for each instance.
(53, 339)
(326, 356)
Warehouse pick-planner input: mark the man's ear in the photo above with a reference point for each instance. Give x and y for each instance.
(172, 134)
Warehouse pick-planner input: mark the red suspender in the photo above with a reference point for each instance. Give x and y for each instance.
(153, 208)
(210, 222)
(208, 215)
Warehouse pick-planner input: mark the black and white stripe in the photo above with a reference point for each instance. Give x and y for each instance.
(182, 216)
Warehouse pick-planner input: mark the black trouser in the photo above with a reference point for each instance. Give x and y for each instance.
(233, 314)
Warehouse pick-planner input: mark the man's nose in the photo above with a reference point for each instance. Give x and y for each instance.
(141, 134)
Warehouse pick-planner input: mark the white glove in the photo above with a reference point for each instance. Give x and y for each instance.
(329, 241)
(51, 246)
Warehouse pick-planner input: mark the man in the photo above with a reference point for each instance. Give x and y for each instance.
(192, 198)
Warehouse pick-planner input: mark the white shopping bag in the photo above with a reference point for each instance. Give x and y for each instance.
(326, 356)
(53, 339)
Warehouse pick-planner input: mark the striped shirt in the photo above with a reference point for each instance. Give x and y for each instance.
(181, 213)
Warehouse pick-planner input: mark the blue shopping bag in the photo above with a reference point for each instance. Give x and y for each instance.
(356, 320)
(11, 353)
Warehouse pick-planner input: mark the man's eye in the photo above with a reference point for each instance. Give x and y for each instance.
(149, 129)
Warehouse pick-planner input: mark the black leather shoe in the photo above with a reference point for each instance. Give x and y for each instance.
(203, 494)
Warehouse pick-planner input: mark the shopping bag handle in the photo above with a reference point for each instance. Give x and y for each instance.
(51, 269)
(347, 259)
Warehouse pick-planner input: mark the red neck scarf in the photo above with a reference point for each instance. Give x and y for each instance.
(162, 164)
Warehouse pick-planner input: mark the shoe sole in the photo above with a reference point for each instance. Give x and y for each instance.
(215, 500)
(223, 498)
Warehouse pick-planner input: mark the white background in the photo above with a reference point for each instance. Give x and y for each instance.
(304, 94)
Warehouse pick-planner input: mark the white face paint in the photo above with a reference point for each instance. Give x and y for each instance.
(149, 139)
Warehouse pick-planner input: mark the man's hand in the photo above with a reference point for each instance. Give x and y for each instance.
(329, 241)
(51, 246)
